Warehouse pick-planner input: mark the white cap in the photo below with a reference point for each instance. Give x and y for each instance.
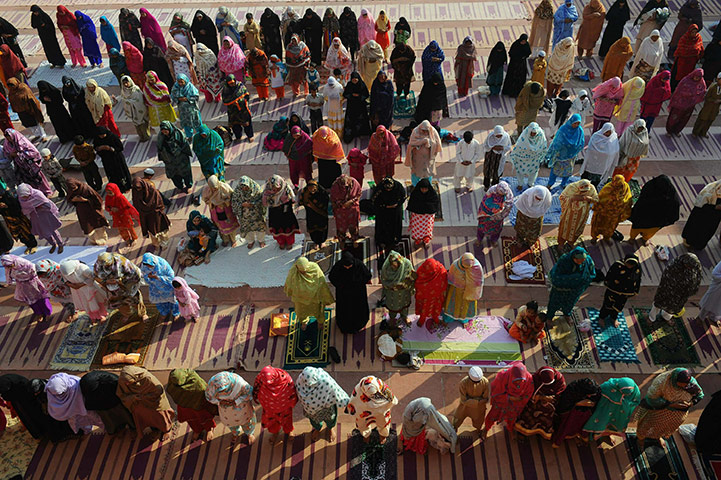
(45, 152)
(149, 171)
(475, 373)
(541, 53)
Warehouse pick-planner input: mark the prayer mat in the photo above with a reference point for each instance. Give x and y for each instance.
(372, 460)
(514, 251)
(711, 465)
(655, 462)
(566, 347)
(17, 447)
(360, 250)
(325, 257)
(307, 348)
(556, 252)
(483, 340)
(405, 107)
(131, 337)
(669, 343)
(437, 188)
(635, 189)
(78, 347)
(104, 76)
(613, 344)
(404, 247)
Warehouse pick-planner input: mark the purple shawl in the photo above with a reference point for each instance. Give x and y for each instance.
(65, 400)
(149, 27)
(28, 287)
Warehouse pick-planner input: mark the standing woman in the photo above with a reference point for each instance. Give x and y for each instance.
(100, 106)
(679, 282)
(648, 57)
(614, 206)
(492, 211)
(577, 199)
(710, 109)
(210, 78)
(561, 154)
(27, 106)
(11, 66)
(563, 20)
(337, 57)
(321, 397)
(496, 147)
(107, 33)
(712, 60)
(158, 274)
(142, 393)
(705, 217)
(357, 122)
(432, 60)
(657, 91)
(617, 16)
(560, 65)
(216, 194)
(154, 60)
(345, 198)
(329, 154)
(180, 31)
(89, 209)
(532, 205)
(174, 151)
(382, 27)
(297, 56)
(510, 392)
(388, 199)
(606, 97)
(381, 104)
(130, 28)
(63, 124)
(274, 391)
(89, 35)
(269, 30)
(600, 156)
(29, 290)
(150, 28)
(690, 91)
(247, 203)
(259, 72)
(27, 160)
(298, 148)
(517, 66)
(657, 206)
(331, 29)
(423, 204)
(306, 287)
(110, 150)
(204, 31)
(370, 62)
(398, 280)
(69, 28)
(402, 31)
(187, 389)
(465, 288)
(431, 284)
(542, 26)
(464, 65)
(366, 27)
(157, 97)
(383, 152)
(616, 59)
(154, 223)
(43, 214)
(179, 59)
(208, 146)
(619, 398)
(632, 145)
(315, 200)
(591, 26)
(574, 407)
(403, 59)
(494, 67)
(527, 154)
(99, 396)
(423, 148)
(278, 196)
(9, 36)
(689, 14)
(122, 212)
(134, 63)
(86, 293)
(42, 22)
(235, 98)
(539, 414)
(185, 96)
(134, 107)
(312, 32)
(570, 277)
(231, 59)
(350, 276)
(228, 25)
(234, 397)
(686, 56)
(349, 31)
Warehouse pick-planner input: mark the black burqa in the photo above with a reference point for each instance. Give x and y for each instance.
(517, 71)
(350, 276)
(130, 28)
(26, 396)
(9, 36)
(154, 59)
(657, 206)
(357, 121)
(616, 16)
(99, 394)
(63, 123)
(382, 99)
(42, 22)
(433, 97)
(312, 27)
(270, 30)
(204, 31)
(74, 94)
(116, 168)
(707, 429)
(349, 31)
(701, 225)
(424, 202)
(388, 200)
(712, 61)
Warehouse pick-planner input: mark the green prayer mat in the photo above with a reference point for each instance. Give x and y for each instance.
(309, 347)
(669, 343)
(635, 189)
(655, 462)
(131, 337)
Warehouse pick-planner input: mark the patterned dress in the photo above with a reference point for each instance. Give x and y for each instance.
(371, 403)
(320, 397)
(234, 397)
(275, 391)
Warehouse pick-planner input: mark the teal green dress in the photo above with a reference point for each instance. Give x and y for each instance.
(619, 398)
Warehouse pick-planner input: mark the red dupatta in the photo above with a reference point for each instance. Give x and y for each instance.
(514, 381)
(65, 18)
(158, 92)
(690, 44)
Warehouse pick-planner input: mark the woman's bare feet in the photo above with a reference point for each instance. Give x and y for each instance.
(250, 245)
(314, 435)
(331, 435)
(251, 439)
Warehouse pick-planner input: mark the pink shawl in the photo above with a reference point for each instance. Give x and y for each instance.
(28, 287)
(383, 150)
(149, 27)
(184, 294)
(231, 59)
(366, 27)
(689, 92)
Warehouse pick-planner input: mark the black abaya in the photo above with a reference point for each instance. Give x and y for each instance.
(349, 31)
(711, 61)
(63, 123)
(701, 225)
(130, 28)
(388, 200)
(357, 121)
(99, 394)
(42, 22)
(517, 67)
(116, 169)
(617, 16)
(154, 59)
(6, 238)
(350, 276)
(706, 430)
(270, 30)
(312, 27)
(433, 97)
(9, 36)
(74, 94)
(204, 31)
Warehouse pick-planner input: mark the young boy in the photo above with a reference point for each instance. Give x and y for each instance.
(312, 75)
(315, 102)
(54, 171)
(84, 153)
(277, 76)
(475, 391)
(468, 153)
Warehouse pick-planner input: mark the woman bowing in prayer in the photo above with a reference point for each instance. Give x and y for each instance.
(345, 196)
(680, 280)
(321, 397)
(27, 161)
(531, 206)
(234, 398)
(100, 398)
(247, 203)
(465, 288)
(41, 21)
(217, 195)
(210, 78)
(187, 389)
(158, 274)
(388, 199)
(656, 207)
(423, 204)
(381, 102)
(154, 223)
(278, 196)
(86, 293)
(686, 56)
(89, 35)
(89, 209)
(606, 97)
(560, 65)
(398, 279)
(705, 217)
(315, 199)
(49, 273)
(204, 31)
(563, 20)
(616, 59)
(601, 156)
(648, 57)
(329, 154)
(632, 145)
(613, 207)
(619, 398)
(510, 392)
(26, 105)
(120, 279)
(690, 91)
(423, 148)
(562, 152)
(142, 393)
(577, 199)
(622, 281)
(52, 98)
(157, 97)
(110, 150)
(423, 425)
(306, 287)
(657, 91)
(29, 290)
(122, 212)
(69, 28)
(275, 391)
(528, 104)
(431, 285)
(370, 403)
(150, 28)
(517, 66)
(542, 26)
(492, 211)
(574, 407)
(527, 153)
(539, 415)
(627, 111)
(617, 16)
(350, 276)
(65, 403)
(432, 60)
(570, 277)
(593, 15)
(357, 121)
(710, 109)
(107, 33)
(100, 106)
(464, 65)
(494, 67)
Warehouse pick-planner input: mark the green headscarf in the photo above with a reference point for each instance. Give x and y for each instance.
(391, 277)
(304, 281)
(187, 389)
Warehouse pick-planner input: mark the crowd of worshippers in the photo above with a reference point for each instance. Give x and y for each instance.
(67, 406)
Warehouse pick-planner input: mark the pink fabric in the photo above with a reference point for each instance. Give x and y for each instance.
(149, 27)
(28, 287)
(232, 60)
(606, 96)
(689, 91)
(187, 299)
(75, 47)
(366, 28)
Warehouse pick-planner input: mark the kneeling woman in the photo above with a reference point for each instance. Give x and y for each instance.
(203, 238)
(423, 425)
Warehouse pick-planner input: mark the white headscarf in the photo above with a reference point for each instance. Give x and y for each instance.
(650, 52)
(534, 202)
(633, 144)
(332, 89)
(504, 141)
(602, 152)
(709, 195)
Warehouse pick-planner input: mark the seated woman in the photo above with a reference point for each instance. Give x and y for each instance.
(273, 142)
(528, 327)
(424, 425)
(202, 241)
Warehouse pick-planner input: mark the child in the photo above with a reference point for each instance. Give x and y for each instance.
(84, 153)
(277, 76)
(311, 73)
(468, 153)
(187, 299)
(357, 161)
(338, 75)
(528, 327)
(315, 102)
(54, 171)
(122, 212)
(561, 106)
